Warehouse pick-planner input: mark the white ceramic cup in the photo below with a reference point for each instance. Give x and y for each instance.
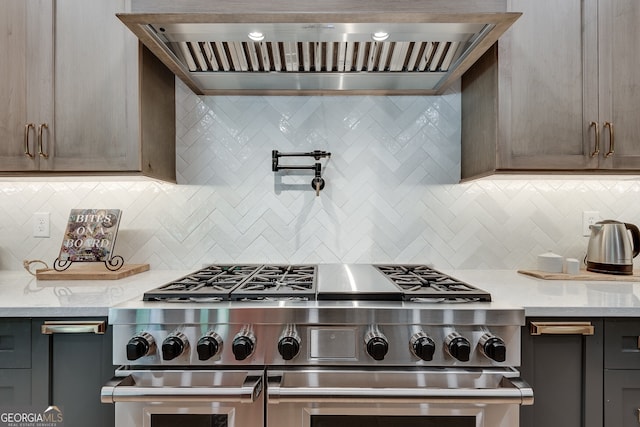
(571, 266)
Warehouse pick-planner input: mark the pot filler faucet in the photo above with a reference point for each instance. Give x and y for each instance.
(317, 183)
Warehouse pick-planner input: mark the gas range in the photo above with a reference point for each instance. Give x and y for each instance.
(316, 345)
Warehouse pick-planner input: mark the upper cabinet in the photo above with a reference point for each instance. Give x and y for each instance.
(557, 92)
(76, 93)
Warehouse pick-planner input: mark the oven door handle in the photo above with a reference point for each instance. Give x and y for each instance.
(124, 390)
(511, 391)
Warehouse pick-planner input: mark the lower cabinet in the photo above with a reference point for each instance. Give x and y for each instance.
(563, 361)
(20, 366)
(622, 372)
(65, 367)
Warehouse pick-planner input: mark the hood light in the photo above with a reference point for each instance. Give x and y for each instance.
(380, 36)
(256, 36)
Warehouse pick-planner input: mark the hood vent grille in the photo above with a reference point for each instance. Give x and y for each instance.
(318, 47)
(299, 57)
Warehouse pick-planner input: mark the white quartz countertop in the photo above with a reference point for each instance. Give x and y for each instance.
(21, 295)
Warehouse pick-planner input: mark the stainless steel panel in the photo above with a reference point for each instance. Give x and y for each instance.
(184, 386)
(232, 396)
(399, 386)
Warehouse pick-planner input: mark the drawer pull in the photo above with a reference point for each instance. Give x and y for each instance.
(72, 327)
(561, 328)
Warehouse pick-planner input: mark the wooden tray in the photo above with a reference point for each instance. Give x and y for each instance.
(582, 275)
(92, 271)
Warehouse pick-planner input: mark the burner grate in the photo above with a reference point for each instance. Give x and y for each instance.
(279, 282)
(423, 284)
(213, 283)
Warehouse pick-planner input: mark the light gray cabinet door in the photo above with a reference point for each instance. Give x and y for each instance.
(559, 92)
(529, 103)
(16, 43)
(93, 120)
(619, 34)
(550, 86)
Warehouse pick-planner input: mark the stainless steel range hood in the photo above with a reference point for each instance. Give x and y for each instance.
(309, 47)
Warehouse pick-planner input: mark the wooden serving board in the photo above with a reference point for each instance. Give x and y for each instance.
(93, 271)
(582, 275)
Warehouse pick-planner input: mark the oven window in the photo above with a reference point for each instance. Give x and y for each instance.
(388, 420)
(188, 420)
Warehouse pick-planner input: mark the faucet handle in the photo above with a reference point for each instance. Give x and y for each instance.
(318, 184)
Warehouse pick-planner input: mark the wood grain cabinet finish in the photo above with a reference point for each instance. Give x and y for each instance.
(75, 92)
(558, 92)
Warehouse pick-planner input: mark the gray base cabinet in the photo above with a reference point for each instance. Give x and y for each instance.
(622, 398)
(20, 366)
(62, 369)
(565, 371)
(622, 372)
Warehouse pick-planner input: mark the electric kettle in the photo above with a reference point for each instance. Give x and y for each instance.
(612, 247)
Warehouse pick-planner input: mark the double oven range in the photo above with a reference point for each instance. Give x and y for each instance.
(315, 346)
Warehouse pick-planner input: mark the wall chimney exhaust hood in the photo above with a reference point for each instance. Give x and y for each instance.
(313, 47)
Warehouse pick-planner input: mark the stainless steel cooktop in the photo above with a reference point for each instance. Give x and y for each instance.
(353, 282)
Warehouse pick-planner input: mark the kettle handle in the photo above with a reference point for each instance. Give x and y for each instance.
(635, 235)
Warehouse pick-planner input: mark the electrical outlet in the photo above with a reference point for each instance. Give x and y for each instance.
(41, 224)
(589, 218)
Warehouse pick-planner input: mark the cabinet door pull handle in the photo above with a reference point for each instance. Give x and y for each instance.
(596, 149)
(561, 328)
(40, 150)
(50, 327)
(611, 146)
(27, 127)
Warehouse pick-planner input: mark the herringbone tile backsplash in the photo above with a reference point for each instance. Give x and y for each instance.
(391, 195)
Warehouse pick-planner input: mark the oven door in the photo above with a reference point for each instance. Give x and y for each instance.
(188, 398)
(399, 398)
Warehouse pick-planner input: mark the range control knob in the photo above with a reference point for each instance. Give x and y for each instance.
(174, 345)
(140, 345)
(209, 345)
(422, 346)
(243, 344)
(289, 343)
(458, 346)
(288, 347)
(377, 344)
(493, 347)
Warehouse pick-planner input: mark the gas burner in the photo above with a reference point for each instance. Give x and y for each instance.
(213, 283)
(279, 282)
(420, 283)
